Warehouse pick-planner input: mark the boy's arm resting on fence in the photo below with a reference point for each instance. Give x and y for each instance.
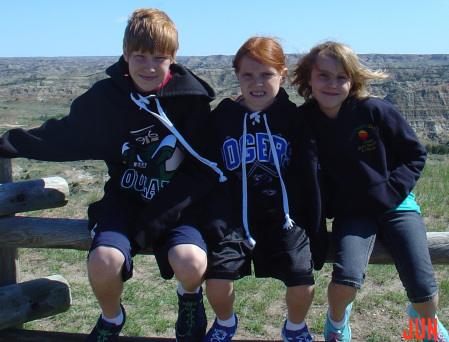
(7, 150)
(38, 144)
(76, 136)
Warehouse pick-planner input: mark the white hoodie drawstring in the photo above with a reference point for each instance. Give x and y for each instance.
(288, 221)
(252, 242)
(142, 103)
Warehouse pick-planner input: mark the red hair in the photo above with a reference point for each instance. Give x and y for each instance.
(264, 50)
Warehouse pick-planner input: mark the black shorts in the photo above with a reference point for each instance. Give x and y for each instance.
(279, 253)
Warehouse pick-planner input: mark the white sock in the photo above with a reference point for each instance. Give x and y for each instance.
(336, 325)
(117, 320)
(230, 322)
(182, 291)
(292, 326)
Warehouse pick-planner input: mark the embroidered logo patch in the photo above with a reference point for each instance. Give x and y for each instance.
(364, 138)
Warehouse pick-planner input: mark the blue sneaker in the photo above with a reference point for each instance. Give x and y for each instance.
(441, 330)
(338, 335)
(219, 333)
(191, 323)
(301, 335)
(106, 332)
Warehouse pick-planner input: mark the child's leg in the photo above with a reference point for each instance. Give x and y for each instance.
(228, 260)
(220, 293)
(298, 300)
(353, 239)
(109, 263)
(182, 253)
(339, 297)
(221, 296)
(104, 267)
(427, 309)
(404, 234)
(189, 263)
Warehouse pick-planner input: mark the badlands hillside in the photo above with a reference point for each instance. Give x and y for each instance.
(34, 89)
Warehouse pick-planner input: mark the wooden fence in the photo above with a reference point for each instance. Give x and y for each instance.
(22, 302)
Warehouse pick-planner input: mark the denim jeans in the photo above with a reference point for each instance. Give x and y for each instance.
(403, 233)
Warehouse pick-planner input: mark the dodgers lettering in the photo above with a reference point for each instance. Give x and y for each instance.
(257, 147)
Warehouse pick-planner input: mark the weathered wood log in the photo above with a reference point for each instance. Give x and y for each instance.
(19, 335)
(31, 195)
(9, 256)
(34, 299)
(39, 232)
(36, 232)
(9, 265)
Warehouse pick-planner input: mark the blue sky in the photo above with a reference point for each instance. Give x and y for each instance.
(49, 28)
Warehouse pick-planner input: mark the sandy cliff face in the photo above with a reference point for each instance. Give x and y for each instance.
(418, 85)
(425, 108)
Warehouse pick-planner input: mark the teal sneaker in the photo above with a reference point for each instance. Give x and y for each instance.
(441, 330)
(338, 335)
(301, 335)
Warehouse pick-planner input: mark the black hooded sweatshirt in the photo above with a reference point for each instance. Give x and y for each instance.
(112, 122)
(371, 158)
(298, 164)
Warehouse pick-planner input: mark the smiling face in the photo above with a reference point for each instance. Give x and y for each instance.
(147, 70)
(259, 83)
(330, 85)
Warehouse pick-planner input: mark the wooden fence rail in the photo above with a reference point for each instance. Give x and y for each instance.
(24, 302)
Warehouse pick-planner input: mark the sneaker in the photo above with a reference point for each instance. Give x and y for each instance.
(441, 330)
(338, 335)
(301, 335)
(220, 333)
(191, 323)
(106, 332)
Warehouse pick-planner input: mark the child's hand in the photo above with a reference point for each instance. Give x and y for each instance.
(151, 223)
(216, 230)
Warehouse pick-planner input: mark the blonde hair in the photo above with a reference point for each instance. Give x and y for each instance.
(264, 50)
(150, 29)
(342, 53)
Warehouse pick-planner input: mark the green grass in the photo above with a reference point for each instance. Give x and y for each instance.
(151, 302)
(47, 117)
(432, 192)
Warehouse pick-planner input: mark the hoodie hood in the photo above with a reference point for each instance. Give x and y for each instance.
(233, 107)
(182, 82)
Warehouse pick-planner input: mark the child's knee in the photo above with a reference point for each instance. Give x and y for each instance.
(301, 291)
(103, 261)
(188, 261)
(219, 288)
(187, 256)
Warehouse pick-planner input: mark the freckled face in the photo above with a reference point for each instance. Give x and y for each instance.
(259, 83)
(330, 85)
(147, 70)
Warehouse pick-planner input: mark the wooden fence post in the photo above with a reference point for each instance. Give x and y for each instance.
(9, 256)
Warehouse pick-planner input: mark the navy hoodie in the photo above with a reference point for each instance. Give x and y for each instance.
(298, 164)
(371, 158)
(144, 158)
